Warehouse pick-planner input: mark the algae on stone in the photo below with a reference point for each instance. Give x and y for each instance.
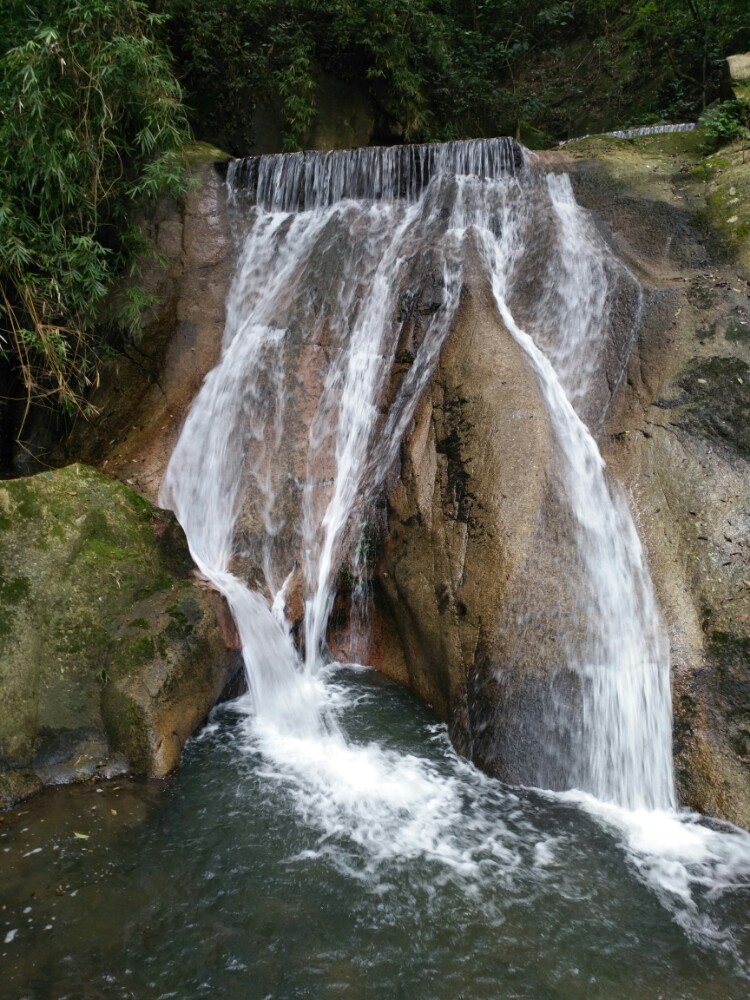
(93, 678)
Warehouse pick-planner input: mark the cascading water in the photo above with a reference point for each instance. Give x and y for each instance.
(619, 651)
(299, 424)
(235, 432)
(636, 133)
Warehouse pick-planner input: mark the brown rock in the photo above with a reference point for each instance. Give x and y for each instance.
(463, 522)
(679, 438)
(145, 391)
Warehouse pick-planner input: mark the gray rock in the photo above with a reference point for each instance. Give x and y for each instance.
(739, 67)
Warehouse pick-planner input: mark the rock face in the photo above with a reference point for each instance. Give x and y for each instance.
(146, 391)
(738, 74)
(678, 436)
(467, 518)
(463, 517)
(110, 656)
(472, 513)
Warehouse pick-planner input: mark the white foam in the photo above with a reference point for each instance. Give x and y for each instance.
(686, 859)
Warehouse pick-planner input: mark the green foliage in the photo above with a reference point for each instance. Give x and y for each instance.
(693, 37)
(241, 55)
(91, 122)
(726, 122)
(444, 69)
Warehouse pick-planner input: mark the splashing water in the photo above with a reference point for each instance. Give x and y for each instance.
(299, 424)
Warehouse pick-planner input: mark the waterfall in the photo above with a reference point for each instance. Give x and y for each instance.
(308, 181)
(635, 133)
(300, 423)
(620, 652)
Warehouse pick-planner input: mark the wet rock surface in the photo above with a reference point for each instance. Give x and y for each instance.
(677, 436)
(466, 536)
(464, 525)
(110, 656)
(715, 403)
(146, 390)
(473, 522)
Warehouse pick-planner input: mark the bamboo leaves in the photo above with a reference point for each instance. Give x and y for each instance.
(91, 121)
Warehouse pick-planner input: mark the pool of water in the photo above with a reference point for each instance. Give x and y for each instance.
(383, 868)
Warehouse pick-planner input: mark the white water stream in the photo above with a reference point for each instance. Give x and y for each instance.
(330, 249)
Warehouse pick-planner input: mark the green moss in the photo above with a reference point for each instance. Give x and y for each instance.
(138, 651)
(139, 504)
(184, 615)
(13, 591)
(105, 550)
(87, 551)
(195, 153)
(727, 206)
(25, 500)
(685, 144)
(702, 172)
(155, 585)
(127, 729)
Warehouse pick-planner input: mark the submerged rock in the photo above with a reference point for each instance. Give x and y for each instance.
(110, 656)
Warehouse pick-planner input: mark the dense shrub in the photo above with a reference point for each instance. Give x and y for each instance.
(726, 121)
(90, 122)
(235, 56)
(436, 69)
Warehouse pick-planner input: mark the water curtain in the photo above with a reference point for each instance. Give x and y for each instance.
(299, 426)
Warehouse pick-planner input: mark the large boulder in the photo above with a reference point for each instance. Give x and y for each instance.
(738, 75)
(110, 655)
(464, 522)
(468, 603)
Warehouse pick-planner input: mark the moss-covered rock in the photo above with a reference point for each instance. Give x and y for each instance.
(109, 656)
(15, 786)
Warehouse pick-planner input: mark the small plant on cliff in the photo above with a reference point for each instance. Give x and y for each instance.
(91, 120)
(726, 122)
(366, 553)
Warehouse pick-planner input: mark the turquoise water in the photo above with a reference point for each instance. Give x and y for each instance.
(245, 879)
